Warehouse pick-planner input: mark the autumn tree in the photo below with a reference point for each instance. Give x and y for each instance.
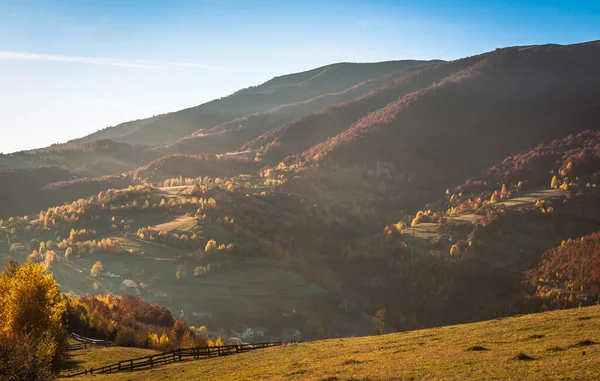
(97, 269)
(211, 246)
(33, 341)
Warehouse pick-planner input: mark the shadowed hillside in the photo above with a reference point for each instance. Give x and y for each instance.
(193, 166)
(96, 158)
(504, 102)
(304, 132)
(22, 187)
(28, 190)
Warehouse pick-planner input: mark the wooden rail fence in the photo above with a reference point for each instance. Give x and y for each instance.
(74, 347)
(174, 356)
(84, 342)
(87, 340)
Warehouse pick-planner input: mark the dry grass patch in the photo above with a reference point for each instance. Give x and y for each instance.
(97, 356)
(417, 355)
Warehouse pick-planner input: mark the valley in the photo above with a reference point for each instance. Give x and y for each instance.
(434, 192)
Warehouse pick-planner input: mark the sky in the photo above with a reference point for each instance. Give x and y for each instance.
(71, 67)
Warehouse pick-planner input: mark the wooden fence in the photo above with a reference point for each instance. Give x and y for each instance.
(74, 347)
(87, 340)
(174, 356)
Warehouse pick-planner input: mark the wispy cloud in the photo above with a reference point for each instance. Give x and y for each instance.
(134, 64)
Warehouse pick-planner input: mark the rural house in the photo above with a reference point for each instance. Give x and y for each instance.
(250, 332)
(258, 331)
(129, 287)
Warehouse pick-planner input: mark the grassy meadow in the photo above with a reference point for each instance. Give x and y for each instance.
(558, 345)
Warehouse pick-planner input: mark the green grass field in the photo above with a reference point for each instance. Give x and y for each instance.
(559, 345)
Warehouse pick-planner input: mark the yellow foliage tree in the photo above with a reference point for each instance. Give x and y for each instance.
(164, 339)
(97, 269)
(34, 341)
(211, 246)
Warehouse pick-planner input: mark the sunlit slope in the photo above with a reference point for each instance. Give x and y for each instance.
(555, 345)
(274, 93)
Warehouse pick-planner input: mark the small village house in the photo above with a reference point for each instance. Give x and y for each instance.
(129, 287)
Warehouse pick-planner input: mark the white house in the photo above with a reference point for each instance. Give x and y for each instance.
(258, 331)
(248, 332)
(253, 332)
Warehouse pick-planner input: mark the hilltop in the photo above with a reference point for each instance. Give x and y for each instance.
(278, 91)
(547, 346)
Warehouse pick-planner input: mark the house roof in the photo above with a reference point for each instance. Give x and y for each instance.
(129, 283)
(258, 329)
(289, 331)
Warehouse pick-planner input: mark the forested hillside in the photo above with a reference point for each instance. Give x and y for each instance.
(443, 192)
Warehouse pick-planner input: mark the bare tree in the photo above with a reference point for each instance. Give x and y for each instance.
(378, 322)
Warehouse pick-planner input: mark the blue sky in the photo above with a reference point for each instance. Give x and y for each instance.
(69, 68)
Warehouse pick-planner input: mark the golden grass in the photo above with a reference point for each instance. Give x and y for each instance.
(555, 342)
(96, 356)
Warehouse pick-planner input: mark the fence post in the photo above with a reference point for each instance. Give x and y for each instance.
(151, 362)
(179, 354)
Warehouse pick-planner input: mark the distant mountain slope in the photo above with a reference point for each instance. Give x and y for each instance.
(96, 158)
(109, 132)
(503, 102)
(231, 135)
(304, 132)
(274, 93)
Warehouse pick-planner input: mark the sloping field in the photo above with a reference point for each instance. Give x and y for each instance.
(428, 230)
(95, 356)
(559, 345)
